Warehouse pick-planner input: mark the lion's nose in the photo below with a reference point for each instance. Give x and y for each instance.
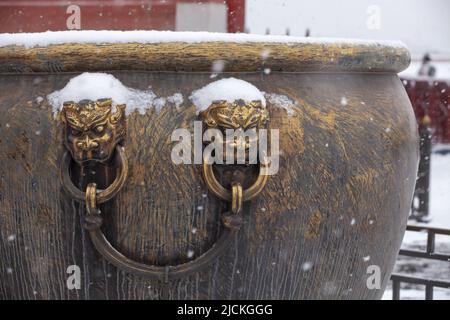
(87, 144)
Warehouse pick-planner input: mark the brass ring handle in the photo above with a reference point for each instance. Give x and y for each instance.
(93, 132)
(103, 195)
(225, 194)
(241, 115)
(231, 224)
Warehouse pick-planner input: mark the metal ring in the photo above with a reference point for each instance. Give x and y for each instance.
(162, 273)
(236, 197)
(91, 198)
(103, 195)
(93, 223)
(225, 194)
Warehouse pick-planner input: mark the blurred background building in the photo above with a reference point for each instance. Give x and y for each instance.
(55, 15)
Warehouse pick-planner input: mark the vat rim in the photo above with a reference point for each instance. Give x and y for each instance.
(183, 56)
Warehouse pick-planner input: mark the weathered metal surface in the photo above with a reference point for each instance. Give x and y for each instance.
(248, 118)
(339, 202)
(92, 130)
(180, 56)
(92, 133)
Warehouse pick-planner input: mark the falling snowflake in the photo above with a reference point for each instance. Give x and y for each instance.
(306, 266)
(218, 66)
(265, 54)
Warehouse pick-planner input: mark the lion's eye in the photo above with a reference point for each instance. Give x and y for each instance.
(75, 132)
(99, 129)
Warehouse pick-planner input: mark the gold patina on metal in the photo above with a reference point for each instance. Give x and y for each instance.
(92, 129)
(237, 115)
(93, 132)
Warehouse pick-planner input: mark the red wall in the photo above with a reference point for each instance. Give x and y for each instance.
(43, 15)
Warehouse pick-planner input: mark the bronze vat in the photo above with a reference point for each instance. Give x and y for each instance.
(337, 205)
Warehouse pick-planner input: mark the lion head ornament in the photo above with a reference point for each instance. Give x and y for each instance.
(92, 129)
(239, 116)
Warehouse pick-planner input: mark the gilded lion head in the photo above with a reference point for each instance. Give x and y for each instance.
(235, 115)
(91, 129)
(239, 116)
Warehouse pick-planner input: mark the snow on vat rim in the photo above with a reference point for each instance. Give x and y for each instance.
(229, 89)
(43, 39)
(78, 51)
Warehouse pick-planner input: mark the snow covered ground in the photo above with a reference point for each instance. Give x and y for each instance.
(442, 68)
(440, 218)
